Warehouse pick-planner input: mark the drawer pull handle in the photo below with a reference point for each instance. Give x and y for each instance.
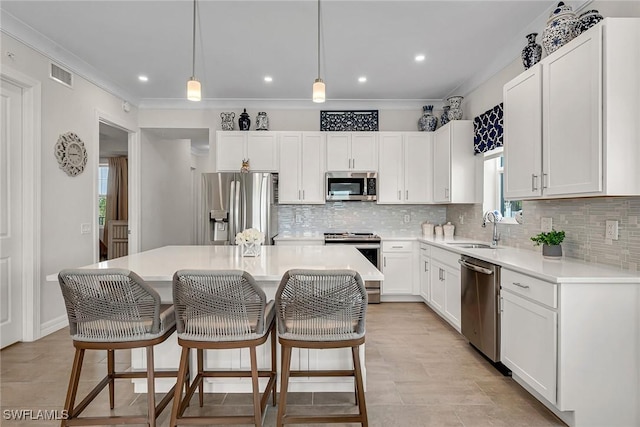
(396, 247)
(520, 285)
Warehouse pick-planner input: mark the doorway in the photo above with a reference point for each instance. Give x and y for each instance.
(113, 192)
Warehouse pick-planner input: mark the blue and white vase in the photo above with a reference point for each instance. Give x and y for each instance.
(588, 19)
(532, 52)
(428, 122)
(444, 118)
(562, 27)
(455, 112)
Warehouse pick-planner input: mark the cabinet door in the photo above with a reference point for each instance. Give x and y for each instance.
(523, 135)
(436, 283)
(230, 150)
(289, 176)
(364, 152)
(424, 278)
(572, 121)
(338, 152)
(262, 151)
(442, 165)
(418, 171)
(312, 168)
(397, 268)
(452, 298)
(390, 172)
(529, 343)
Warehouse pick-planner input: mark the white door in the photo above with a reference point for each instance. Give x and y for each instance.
(442, 165)
(390, 169)
(418, 184)
(364, 153)
(312, 168)
(338, 151)
(289, 178)
(10, 215)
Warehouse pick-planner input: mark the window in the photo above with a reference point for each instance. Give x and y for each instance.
(494, 188)
(103, 177)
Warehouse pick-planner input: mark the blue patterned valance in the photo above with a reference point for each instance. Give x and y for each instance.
(487, 130)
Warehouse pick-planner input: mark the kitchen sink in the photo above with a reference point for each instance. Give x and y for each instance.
(472, 245)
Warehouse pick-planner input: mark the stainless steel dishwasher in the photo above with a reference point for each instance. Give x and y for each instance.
(480, 315)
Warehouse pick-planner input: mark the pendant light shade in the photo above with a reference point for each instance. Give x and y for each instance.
(318, 84)
(318, 91)
(194, 90)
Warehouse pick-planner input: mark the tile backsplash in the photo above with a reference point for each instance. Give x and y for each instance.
(583, 220)
(357, 217)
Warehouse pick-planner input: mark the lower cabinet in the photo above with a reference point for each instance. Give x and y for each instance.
(445, 294)
(424, 271)
(398, 268)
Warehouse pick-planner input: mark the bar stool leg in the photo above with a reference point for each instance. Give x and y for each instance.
(111, 372)
(257, 414)
(274, 363)
(177, 396)
(284, 382)
(200, 372)
(74, 379)
(151, 388)
(362, 406)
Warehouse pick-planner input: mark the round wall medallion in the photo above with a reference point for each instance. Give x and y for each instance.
(71, 154)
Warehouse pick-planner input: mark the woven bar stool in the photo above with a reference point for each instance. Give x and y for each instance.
(321, 309)
(215, 310)
(114, 309)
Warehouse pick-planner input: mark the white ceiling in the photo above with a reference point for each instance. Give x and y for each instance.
(240, 42)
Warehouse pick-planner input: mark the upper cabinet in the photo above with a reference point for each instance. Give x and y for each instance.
(454, 164)
(571, 121)
(404, 168)
(260, 147)
(352, 151)
(302, 159)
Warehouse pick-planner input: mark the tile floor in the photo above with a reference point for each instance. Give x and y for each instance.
(420, 371)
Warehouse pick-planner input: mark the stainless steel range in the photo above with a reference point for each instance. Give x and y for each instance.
(369, 245)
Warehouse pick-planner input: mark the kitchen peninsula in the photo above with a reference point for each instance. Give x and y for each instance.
(157, 267)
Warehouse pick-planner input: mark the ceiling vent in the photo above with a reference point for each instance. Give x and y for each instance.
(61, 75)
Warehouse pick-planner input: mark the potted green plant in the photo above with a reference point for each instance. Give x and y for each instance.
(550, 243)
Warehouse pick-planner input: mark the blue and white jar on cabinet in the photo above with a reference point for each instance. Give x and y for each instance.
(588, 19)
(562, 27)
(428, 122)
(532, 52)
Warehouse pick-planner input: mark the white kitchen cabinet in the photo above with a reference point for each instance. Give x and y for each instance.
(302, 160)
(566, 120)
(352, 151)
(404, 169)
(529, 323)
(445, 285)
(425, 271)
(260, 147)
(454, 164)
(398, 268)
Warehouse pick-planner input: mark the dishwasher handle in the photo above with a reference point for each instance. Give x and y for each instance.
(475, 268)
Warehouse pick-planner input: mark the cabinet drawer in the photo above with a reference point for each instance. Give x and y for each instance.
(425, 250)
(535, 289)
(397, 246)
(446, 257)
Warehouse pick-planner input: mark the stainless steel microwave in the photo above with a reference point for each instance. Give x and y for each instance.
(360, 186)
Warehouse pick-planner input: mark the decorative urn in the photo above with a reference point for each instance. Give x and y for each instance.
(562, 27)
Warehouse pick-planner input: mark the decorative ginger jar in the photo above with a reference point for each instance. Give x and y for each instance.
(532, 52)
(588, 19)
(455, 112)
(428, 121)
(562, 27)
(244, 122)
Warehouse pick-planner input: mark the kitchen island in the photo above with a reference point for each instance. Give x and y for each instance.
(157, 267)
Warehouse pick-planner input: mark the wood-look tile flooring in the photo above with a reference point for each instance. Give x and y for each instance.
(420, 372)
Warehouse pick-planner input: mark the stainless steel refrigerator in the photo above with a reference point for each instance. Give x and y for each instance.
(234, 202)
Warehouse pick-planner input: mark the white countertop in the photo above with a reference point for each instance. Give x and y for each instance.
(564, 270)
(160, 264)
(299, 236)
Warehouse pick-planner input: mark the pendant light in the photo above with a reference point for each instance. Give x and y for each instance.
(194, 92)
(318, 84)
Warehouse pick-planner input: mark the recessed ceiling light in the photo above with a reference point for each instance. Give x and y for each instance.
(362, 79)
(143, 78)
(268, 79)
(420, 58)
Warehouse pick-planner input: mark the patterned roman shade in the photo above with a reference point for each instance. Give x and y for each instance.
(487, 130)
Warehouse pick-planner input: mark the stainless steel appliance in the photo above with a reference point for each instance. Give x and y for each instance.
(234, 202)
(369, 245)
(480, 315)
(360, 186)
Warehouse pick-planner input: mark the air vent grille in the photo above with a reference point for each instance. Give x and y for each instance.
(61, 75)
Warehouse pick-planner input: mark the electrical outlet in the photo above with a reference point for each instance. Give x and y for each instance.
(298, 218)
(85, 228)
(611, 230)
(546, 224)
(461, 219)
(407, 218)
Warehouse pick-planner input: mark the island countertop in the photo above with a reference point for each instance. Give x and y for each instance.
(160, 264)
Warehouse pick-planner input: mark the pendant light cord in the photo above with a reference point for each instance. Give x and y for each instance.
(193, 69)
(318, 39)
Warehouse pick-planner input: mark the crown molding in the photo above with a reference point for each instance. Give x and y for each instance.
(15, 28)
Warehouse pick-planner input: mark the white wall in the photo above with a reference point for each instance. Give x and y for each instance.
(67, 201)
(165, 192)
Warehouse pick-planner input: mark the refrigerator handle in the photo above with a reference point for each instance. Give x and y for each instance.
(232, 212)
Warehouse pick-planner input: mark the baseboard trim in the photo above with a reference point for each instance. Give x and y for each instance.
(53, 325)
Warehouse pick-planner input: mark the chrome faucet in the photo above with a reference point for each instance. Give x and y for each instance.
(491, 217)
